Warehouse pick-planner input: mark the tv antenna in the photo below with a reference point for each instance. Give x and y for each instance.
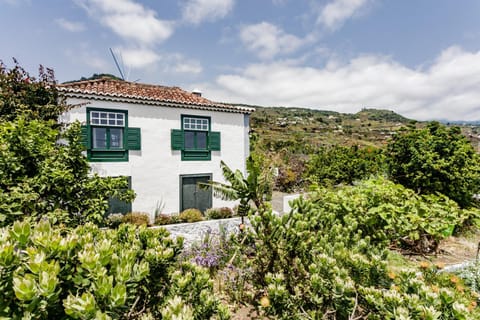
(116, 63)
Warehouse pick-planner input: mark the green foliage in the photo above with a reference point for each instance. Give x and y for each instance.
(22, 95)
(41, 177)
(43, 172)
(385, 211)
(292, 137)
(381, 115)
(471, 274)
(191, 215)
(435, 159)
(256, 187)
(137, 218)
(338, 164)
(321, 261)
(163, 219)
(114, 220)
(97, 76)
(219, 213)
(89, 273)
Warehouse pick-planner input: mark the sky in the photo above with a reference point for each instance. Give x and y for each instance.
(420, 58)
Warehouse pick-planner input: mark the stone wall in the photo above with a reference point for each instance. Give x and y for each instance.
(194, 232)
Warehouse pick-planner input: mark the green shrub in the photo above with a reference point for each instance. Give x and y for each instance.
(385, 211)
(190, 215)
(163, 219)
(219, 213)
(93, 273)
(435, 159)
(343, 165)
(315, 263)
(137, 218)
(114, 220)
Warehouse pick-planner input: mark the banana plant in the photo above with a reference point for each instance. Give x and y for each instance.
(255, 188)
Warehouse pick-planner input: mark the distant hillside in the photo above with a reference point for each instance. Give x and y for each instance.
(96, 76)
(381, 115)
(278, 127)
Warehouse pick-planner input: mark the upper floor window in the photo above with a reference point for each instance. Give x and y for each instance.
(107, 129)
(195, 133)
(195, 139)
(107, 135)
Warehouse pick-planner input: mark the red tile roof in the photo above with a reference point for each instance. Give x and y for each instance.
(107, 87)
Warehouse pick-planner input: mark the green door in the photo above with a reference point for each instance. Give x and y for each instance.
(192, 196)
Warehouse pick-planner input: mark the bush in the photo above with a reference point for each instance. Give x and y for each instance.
(137, 218)
(435, 159)
(191, 215)
(163, 219)
(43, 169)
(343, 165)
(317, 263)
(40, 177)
(90, 273)
(114, 220)
(219, 213)
(385, 211)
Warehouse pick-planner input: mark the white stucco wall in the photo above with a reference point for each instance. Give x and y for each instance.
(156, 168)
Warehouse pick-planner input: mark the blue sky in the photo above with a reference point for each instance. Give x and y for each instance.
(420, 58)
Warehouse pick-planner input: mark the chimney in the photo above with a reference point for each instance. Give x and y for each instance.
(197, 92)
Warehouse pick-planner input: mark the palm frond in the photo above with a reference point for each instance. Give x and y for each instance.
(228, 174)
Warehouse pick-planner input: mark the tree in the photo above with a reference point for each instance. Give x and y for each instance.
(339, 164)
(43, 171)
(256, 187)
(26, 96)
(435, 159)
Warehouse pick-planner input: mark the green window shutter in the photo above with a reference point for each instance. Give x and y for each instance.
(214, 141)
(134, 141)
(177, 139)
(85, 137)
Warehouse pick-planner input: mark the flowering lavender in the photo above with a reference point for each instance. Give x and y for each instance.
(212, 252)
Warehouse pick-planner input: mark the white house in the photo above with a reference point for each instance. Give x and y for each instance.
(164, 138)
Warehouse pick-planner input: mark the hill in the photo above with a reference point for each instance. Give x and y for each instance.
(276, 127)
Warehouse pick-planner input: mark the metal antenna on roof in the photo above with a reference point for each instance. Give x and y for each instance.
(116, 63)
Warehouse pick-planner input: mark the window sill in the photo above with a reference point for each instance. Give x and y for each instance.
(196, 155)
(98, 155)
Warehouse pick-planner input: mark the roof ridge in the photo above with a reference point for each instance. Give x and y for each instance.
(141, 91)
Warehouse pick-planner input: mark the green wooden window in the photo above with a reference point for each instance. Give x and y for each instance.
(195, 139)
(107, 136)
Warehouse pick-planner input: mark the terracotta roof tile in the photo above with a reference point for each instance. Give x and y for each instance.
(124, 89)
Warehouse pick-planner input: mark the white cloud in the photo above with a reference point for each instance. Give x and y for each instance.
(130, 20)
(336, 12)
(188, 66)
(446, 89)
(145, 58)
(86, 55)
(197, 11)
(71, 26)
(267, 40)
(138, 58)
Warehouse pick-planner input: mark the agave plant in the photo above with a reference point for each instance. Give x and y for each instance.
(256, 187)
